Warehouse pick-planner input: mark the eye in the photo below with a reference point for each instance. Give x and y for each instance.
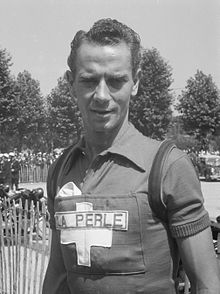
(88, 82)
(115, 83)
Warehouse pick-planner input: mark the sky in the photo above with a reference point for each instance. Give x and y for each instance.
(37, 33)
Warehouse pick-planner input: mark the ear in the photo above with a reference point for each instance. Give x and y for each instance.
(136, 82)
(70, 80)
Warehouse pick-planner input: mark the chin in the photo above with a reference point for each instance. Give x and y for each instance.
(103, 130)
(109, 128)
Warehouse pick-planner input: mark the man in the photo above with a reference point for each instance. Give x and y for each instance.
(15, 169)
(105, 238)
(1, 169)
(6, 169)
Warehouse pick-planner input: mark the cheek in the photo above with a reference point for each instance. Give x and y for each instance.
(124, 100)
(81, 104)
(83, 94)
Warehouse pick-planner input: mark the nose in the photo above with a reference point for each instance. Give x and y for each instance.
(102, 92)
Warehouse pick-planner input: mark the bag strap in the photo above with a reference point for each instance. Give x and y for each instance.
(59, 166)
(155, 180)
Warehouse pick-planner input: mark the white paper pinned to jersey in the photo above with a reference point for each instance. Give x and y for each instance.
(69, 189)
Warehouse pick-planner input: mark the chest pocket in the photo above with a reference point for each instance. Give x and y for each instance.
(101, 234)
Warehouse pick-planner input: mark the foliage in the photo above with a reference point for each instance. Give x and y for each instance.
(150, 110)
(178, 135)
(6, 89)
(30, 119)
(7, 98)
(5, 63)
(216, 143)
(186, 142)
(64, 120)
(199, 105)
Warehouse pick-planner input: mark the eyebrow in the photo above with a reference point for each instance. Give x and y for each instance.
(109, 76)
(117, 76)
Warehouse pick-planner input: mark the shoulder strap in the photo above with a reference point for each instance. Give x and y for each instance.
(58, 167)
(155, 179)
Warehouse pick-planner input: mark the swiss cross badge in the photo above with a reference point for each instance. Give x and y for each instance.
(87, 227)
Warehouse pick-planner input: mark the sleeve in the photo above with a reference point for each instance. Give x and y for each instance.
(58, 164)
(50, 197)
(183, 197)
(55, 281)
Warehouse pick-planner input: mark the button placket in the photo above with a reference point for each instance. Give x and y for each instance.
(90, 170)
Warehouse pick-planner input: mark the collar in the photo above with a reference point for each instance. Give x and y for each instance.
(129, 143)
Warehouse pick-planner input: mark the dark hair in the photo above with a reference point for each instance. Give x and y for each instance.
(108, 32)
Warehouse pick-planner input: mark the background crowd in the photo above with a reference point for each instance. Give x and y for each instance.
(25, 166)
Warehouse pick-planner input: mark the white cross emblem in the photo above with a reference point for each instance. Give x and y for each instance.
(86, 228)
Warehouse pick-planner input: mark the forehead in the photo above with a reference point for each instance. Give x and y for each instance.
(91, 56)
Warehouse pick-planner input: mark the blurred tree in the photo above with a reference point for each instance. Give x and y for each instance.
(64, 119)
(7, 101)
(216, 143)
(30, 118)
(199, 106)
(150, 110)
(179, 136)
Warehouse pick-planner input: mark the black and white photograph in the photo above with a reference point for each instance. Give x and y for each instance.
(109, 147)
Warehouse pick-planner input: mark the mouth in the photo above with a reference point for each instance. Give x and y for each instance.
(101, 111)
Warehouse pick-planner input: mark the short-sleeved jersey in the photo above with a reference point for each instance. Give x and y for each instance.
(109, 239)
